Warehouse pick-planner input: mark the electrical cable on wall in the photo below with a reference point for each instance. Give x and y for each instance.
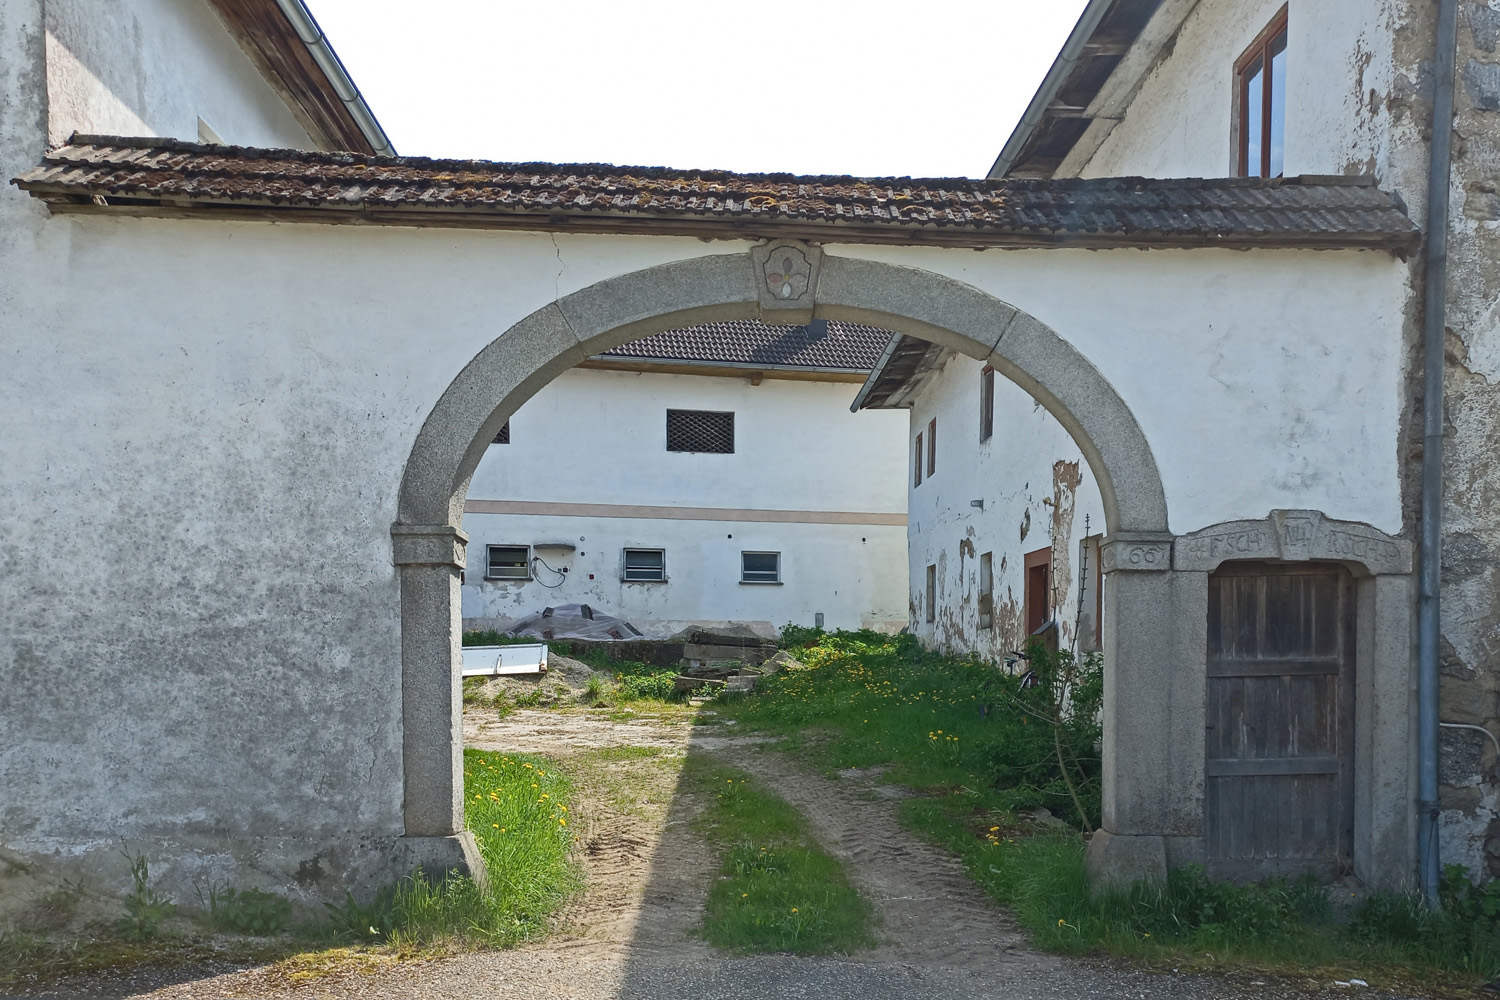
(562, 574)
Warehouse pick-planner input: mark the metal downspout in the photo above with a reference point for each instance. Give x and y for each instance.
(1434, 335)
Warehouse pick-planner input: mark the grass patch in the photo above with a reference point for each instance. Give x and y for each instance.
(777, 890)
(939, 724)
(518, 808)
(986, 751)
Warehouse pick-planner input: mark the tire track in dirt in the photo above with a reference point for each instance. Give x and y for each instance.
(932, 913)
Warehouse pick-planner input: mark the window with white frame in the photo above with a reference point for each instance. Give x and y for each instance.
(507, 562)
(645, 566)
(760, 567)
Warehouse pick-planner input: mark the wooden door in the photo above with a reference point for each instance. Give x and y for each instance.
(1280, 721)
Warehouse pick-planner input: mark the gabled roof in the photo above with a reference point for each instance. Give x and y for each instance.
(822, 345)
(155, 176)
(1113, 45)
(284, 41)
(896, 377)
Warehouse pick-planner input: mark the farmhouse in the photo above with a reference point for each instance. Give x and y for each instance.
(254, 360)
(704, 475)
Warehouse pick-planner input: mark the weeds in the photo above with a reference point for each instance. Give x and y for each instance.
(984, 748)
(144, 909)
(778, 891)
(245, 911)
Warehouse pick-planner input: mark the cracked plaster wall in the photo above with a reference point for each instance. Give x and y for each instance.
(1359, 101)
(1037, 492)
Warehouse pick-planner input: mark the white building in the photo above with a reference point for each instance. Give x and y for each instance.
(708, 474)
(247, 389)
(1005, 518)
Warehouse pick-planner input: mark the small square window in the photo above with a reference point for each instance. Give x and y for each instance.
(760, 567)
(645, 565)
(701, 431)
(504, 436)
(508, 562)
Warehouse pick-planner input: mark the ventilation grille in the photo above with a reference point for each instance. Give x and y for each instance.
(504, 436)
(700, 431)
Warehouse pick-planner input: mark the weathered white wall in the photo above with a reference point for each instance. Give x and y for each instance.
(797, 446)
(1036, 491)
(205, 426)
(854, 574)
(154, 67)
(1251, 401)
(1340, 71)
(599, 437)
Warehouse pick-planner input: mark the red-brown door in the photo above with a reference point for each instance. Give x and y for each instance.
(1280, 776)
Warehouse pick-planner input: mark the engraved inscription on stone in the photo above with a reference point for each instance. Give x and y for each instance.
(1231, 545)
(1138, 556)
(1350, 546)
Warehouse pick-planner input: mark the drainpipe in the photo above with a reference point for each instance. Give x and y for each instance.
(1434, 333)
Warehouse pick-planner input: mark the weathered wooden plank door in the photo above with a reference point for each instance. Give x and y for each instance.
(1280, 721)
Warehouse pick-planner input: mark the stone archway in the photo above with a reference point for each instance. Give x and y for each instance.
(429, 544)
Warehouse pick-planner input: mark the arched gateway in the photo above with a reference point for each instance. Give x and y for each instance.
(1157, 613)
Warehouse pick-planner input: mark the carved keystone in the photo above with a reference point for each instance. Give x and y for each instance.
(786, 278)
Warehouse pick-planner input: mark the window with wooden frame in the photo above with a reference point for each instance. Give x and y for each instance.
(507, 562)
(932, 593)
(987, 590)
(931, 447)
(986, 403)
(916, 465)
(1260, 94)
(1038, 594)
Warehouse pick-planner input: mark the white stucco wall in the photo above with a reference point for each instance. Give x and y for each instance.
(154, 67)
(599, 437)
(797, 446)
(206, 425)
(1340, 67)
(1308, 381)
(1031, 502)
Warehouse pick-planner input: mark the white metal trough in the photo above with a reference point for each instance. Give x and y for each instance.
(493, 661)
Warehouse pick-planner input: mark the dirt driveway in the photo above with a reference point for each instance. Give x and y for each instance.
(630, 933)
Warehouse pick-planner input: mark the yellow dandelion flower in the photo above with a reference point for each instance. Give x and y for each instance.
(1060, 921)
(794, 909)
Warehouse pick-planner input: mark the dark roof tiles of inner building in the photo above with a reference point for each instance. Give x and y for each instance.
(821, 344)
(100, 173)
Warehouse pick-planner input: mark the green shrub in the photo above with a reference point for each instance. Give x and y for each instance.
(647, 687)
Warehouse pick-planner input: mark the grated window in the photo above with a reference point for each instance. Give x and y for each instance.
(644, 565)
(504, 436)
(508, 562)
(760, 567)
(703, 431)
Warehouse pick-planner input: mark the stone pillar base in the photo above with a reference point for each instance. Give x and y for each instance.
(439, 857)
(1115, 860)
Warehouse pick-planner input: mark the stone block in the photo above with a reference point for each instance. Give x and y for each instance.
(438, 857)
(1116, 861)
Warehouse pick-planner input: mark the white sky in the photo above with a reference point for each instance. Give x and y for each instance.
(823, 86)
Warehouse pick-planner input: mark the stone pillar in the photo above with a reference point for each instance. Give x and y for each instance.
(1155, 636)
(429, 559)
(1385, 760)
